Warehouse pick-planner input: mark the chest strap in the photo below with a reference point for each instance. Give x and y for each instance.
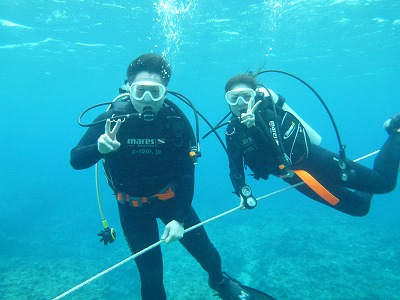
(135, 201)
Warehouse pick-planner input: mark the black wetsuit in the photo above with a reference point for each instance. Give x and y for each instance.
(256, 148)
(152, 155)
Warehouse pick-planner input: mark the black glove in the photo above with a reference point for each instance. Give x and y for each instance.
(107, 235)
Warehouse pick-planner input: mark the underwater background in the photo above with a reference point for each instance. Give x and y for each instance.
(59, 57)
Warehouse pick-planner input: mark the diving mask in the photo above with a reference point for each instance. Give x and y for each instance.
(244, 94)
(140, 89)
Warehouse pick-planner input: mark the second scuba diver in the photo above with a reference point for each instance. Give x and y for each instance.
(268, 137)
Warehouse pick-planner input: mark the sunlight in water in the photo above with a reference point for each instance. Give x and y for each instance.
(272, 11)
(170, 15)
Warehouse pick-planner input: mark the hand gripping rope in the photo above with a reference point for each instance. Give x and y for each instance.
(187, 230)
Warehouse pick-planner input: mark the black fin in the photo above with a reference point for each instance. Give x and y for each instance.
(257, 294)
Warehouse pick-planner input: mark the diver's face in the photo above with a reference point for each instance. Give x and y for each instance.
(147, 91)
(241, 106)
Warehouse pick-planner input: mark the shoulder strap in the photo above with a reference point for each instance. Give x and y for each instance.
(179, 119)
(280, 101)
(272, 139)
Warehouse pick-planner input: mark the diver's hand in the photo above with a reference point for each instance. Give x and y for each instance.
(107, 142)
(249, 118)
(173, 231)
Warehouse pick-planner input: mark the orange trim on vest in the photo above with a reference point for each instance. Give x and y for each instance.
(317, 187)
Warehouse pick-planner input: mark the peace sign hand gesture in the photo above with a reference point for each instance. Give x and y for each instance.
(107, 142)
(249, 118)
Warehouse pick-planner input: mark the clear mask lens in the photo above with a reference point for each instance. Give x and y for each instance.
(233, 97)
(140, 89)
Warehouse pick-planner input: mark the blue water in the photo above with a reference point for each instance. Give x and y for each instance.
(59, 57)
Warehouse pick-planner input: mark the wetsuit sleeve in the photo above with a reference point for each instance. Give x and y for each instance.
(236, 168)
(184, 189)
(184, 192)
(86, 154)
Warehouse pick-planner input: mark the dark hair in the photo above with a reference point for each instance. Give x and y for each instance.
(152, 63)
(245, 78)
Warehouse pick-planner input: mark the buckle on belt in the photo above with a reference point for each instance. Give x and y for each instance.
(133, 201)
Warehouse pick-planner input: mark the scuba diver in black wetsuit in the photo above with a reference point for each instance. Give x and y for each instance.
(268, 137)
(151, 173)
